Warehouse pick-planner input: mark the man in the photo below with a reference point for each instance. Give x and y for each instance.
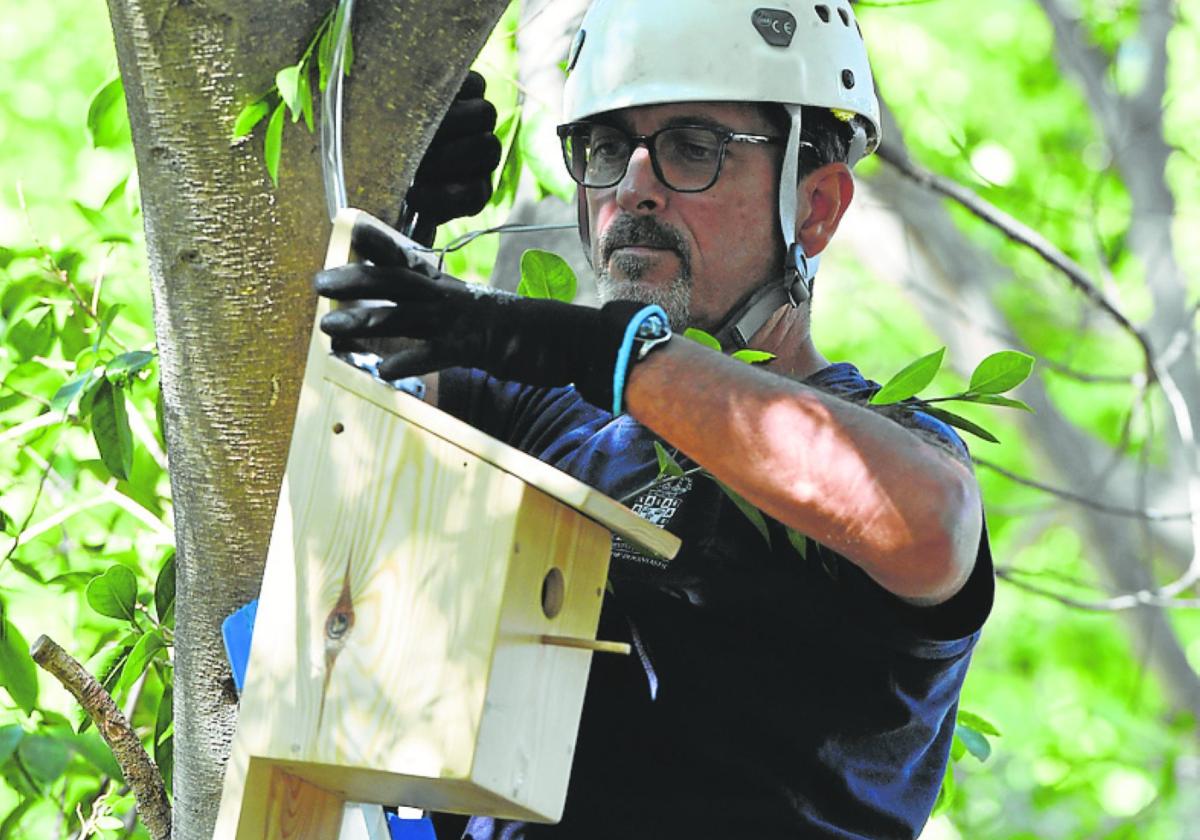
(783, 687)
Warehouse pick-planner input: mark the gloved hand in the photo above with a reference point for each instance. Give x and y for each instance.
(538, 342)
(455, 176)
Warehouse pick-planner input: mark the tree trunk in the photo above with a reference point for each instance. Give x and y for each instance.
(230, 262)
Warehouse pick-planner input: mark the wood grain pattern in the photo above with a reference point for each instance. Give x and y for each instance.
(415, 567)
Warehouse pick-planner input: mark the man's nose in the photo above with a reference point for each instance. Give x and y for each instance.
(640, 191)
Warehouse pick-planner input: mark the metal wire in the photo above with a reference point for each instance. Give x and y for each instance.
(333, 170)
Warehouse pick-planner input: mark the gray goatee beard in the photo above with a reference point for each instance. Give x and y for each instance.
(675, 297)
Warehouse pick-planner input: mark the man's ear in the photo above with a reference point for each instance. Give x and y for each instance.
(823, 199)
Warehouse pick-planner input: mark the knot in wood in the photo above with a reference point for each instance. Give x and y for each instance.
(339, 623)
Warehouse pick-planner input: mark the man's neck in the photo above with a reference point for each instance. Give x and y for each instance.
(787, 335)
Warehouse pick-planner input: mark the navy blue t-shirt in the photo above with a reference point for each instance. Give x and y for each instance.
(772, 695)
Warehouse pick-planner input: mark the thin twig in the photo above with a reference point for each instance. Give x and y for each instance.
(37, 497)
(1016, 231)
(1132, 513)
(1119, 603)
(58, 271)
(137, 766)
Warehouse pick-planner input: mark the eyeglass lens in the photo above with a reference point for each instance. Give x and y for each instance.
(686, 158)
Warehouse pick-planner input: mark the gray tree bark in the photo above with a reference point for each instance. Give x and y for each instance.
(231, 260)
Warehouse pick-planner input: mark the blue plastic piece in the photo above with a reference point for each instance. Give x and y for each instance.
(237, 631)
(402, 829)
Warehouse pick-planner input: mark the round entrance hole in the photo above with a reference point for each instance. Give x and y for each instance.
(553, 593)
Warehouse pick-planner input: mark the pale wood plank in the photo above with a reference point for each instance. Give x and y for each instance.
(608, 512)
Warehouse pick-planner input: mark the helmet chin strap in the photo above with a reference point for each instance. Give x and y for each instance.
(795, 285)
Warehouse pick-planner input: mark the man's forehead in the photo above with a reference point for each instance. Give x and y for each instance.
(733, 116)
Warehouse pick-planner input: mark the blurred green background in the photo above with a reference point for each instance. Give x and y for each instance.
(1089, 745)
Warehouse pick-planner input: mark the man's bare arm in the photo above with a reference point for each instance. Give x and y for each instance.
(905, 511)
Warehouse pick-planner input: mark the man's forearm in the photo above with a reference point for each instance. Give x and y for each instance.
(903, 510)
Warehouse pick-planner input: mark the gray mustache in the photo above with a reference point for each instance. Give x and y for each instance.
(629, 231)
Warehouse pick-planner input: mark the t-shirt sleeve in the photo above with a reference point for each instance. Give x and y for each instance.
(933, 631)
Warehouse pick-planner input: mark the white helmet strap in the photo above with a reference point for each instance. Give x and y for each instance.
(789, 177)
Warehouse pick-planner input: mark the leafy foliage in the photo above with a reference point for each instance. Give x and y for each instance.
(292, 93)
(85, 499)
(1092, 747)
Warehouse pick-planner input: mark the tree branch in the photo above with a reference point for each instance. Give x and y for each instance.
(1120, 603)
(1089, 62)
(139, 769)
(1016, 231)
(1133, 513)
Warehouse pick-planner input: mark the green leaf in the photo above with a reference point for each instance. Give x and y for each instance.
(115, 194)
(975, 742)
(974, 721)
(957, 748)
(87, 397)
(287, 81)
(97, 753)
(18, 673)
(7, 525)
(547, 276)
(306, 100)
(911, 380)
(107, 119)
(539, 150)
(960, 423)
(164, 588)
(148, 646)
(164, 741)
(509, 176)
(751, 512)
(667, 465)
(10, 737)
(107, 665)
(324, 57)
(701, 337)
(273, 144)
(106, 322)
(44, 756)
(129, 363)
(1001, 372)
(32, 334)
(250, 116)
(993, 399)
(110, 428)
(113, 593)
(753, 357)
(946, 793)
(799, 542)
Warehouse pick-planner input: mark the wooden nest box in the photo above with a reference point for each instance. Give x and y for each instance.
(427, 616)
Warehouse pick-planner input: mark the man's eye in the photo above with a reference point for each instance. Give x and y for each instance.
(692, 148)
(607, 148)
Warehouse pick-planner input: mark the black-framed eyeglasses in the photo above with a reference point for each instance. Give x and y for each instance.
(687, 158)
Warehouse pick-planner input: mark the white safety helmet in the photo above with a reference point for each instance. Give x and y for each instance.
(794, 53)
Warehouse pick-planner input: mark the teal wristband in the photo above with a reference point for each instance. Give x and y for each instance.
(650, 323)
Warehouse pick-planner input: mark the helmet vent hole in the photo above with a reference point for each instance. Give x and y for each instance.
(823, 13)
(845, 16)
(848, 79)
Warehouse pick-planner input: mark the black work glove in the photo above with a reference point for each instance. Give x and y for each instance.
(457, 324)
(455, 176)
